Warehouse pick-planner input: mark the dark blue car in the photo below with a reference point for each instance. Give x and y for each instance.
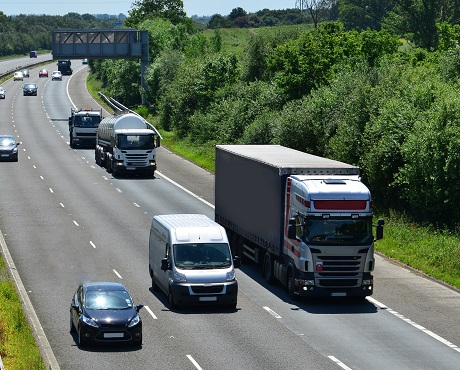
(104, 312)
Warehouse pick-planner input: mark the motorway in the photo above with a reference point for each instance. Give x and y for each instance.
(65, 220)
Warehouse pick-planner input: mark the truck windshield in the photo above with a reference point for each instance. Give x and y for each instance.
(202, 256)
(87, 121)
(136, 141)
(336, 231)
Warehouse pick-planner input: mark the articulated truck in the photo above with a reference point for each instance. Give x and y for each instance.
(83, 125)
(126, 143)
(306, 219)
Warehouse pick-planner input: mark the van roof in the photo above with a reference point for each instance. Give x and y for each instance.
(192, 227)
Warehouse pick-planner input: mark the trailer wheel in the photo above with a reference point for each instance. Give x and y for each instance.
(268, 268)
(291, 285)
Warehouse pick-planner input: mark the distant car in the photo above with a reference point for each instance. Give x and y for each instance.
(8, 148)
(2, 93)
(33, 54)
(43, 73)
(30, 89)
(104, 312)
(84, 61)
(56, 75)
(25, 73)
(18, 76)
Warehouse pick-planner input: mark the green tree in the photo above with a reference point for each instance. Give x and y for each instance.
(150, 9)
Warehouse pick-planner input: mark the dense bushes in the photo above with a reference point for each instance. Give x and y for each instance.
(352, 96)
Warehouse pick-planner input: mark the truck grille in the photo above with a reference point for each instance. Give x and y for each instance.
(136, 160)
(338, 271)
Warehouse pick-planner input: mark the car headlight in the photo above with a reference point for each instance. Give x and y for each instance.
(89, 322)
(134, 321)
(230, 276)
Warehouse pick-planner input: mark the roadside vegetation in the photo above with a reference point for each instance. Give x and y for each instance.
(18, 349)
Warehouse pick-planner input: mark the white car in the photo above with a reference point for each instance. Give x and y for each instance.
(18, 76)
(2, 93)
(56, 75)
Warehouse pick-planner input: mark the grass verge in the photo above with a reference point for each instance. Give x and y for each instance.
(17, 343)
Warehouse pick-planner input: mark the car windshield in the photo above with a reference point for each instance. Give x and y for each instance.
(29, 86)
(335, 231)
(108, 300)
(136, 141)
(7, 141)
(87, 121)
(202, 255)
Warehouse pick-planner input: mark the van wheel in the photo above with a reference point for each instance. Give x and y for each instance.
(154, 284)
(171, 302)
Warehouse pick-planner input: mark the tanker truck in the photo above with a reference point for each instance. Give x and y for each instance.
(126, 143)
(305, 219)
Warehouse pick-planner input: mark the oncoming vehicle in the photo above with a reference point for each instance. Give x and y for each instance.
(56, 75)
(30, 89)
(18, 76)
(190, 260)
(43, 73)
(104, 312)
(2, 93)
(8, 148)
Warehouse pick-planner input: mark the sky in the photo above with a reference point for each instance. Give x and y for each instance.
(191, 7)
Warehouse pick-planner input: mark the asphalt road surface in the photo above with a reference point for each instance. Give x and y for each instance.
(65, 220)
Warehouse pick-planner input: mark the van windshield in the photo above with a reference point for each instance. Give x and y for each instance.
(202, 255)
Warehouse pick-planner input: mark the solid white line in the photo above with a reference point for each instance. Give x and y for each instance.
(150, 312)
(414, 324)
(194, 362)
(186, 190)
(116, 273)
(271, 312)
(92, 244)
(340, 363)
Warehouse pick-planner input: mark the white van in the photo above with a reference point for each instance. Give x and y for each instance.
(190, 260)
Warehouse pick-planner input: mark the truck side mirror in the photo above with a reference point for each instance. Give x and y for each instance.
(165, 264)
(379, 229)
(157, 142)
(236, 262)
(292, 229)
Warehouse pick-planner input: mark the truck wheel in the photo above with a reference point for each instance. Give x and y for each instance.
(109, 163)
(291, 285)
(268, 268)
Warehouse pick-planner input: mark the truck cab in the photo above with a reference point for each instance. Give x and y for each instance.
(83, 125)
(330, 241)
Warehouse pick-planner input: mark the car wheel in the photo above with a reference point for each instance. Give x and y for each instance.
(72, 328)
(81, 340)
(15, 159)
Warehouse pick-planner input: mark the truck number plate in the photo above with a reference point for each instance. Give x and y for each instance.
(208, 299)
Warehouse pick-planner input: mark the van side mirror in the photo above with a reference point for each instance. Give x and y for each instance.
(379, 229)
(165, 264)
(236, 262)
(157, 142)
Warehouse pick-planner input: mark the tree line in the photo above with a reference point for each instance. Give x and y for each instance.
(22, 33)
